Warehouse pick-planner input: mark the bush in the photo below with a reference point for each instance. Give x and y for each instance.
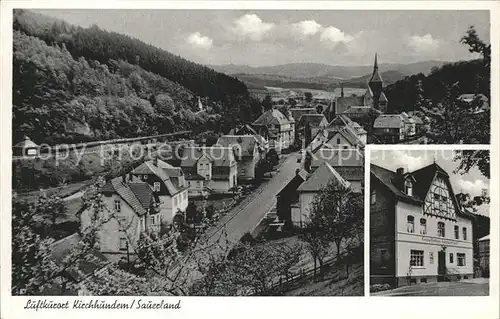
(379, 287)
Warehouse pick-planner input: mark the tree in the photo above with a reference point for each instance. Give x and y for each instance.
(164, 104)
(334, 217)
(319, 109)
(473, 158)
(267, 103)
(308, 96)
(292, 101)
(476, 45)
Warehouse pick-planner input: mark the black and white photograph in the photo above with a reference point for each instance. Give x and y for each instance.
(226, 151)
(429, 223)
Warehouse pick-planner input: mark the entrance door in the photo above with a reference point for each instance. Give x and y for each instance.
(441, 263)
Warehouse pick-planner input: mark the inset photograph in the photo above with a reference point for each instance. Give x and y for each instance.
(429, 223)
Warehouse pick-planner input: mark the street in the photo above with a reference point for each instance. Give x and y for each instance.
(467, 287)
(244, 217)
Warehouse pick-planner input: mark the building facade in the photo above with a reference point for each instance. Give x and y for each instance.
(418, 230)
(248, 152)
(279, 128)
(210, 169)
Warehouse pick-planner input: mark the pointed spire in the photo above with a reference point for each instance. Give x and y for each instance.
(375, 76)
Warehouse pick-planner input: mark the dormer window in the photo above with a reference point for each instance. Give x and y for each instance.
(408, 188)
(156, 186)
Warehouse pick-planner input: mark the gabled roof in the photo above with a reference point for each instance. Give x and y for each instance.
(294, 183)
(247, 143)
(94, 259)
(339, 120)
(338, 157)
(343, 103)
(320, 178)
(424, 177)
(388, 121)
(314, 120)
(167, 173)
(128, 194)
(26, 143)
(272, 117)
(244, 129)
(386, 177)
(348, 134)
(219, 156)
(382, 97)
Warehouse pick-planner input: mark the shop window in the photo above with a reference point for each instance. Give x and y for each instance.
(417, 258)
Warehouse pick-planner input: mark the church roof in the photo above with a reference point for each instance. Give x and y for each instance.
(376, 75)
(382, 97)
(343, 103)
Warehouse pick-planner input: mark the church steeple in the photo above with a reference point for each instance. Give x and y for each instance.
(376, 78)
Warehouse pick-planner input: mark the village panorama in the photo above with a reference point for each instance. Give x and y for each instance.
(219, 163)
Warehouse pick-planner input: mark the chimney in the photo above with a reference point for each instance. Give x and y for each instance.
(307, 162)
(124, 179)
(130, 176)
(155, 161)
(399, 180)
(341, 89)
(297, 171)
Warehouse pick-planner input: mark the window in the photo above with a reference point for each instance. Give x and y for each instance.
(460, 259)
(143, 226)
(408, 188)
(431, 257)
(123, 243)
(338, 141)
(436, 196)
(118, 205)
(456, 232)
(423, 226)
(410, 225)
(441, 232)
(451, 258)
(417, 258)
(384, 258)
(145, 177)
(464, 233)
(156, 186)
(373, 197)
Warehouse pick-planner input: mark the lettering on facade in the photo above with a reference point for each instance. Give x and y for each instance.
(439, 240)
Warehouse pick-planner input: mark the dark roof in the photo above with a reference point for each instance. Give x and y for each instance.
(314, 120)
(243, 129)
(194, 177)
(167, 173)
(219, 156)
(94, 260)
(247, 143)
(425, 176)
(338, 157)
(343, 103)
(348, 134)
(386, 177)
(298, 112)
(323, 175)
(272, 117)
(144, 193)
(117, 186)
(365, 109)
(388, 121)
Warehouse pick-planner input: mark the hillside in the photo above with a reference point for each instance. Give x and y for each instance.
(259, 81)
(73, 84)
(313, 70)
(402, 95)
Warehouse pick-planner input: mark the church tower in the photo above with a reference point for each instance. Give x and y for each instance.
(376, 84)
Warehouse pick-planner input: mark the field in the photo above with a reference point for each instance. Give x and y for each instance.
(284, 93)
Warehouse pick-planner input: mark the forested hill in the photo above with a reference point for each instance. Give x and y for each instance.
(72, 84)
(100, 45)
(469, 77)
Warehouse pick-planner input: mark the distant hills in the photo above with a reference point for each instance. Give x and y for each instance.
(321, 76)
(308, 70)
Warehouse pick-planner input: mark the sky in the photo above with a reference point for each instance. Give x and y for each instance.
(472, 183)
(272, 37)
